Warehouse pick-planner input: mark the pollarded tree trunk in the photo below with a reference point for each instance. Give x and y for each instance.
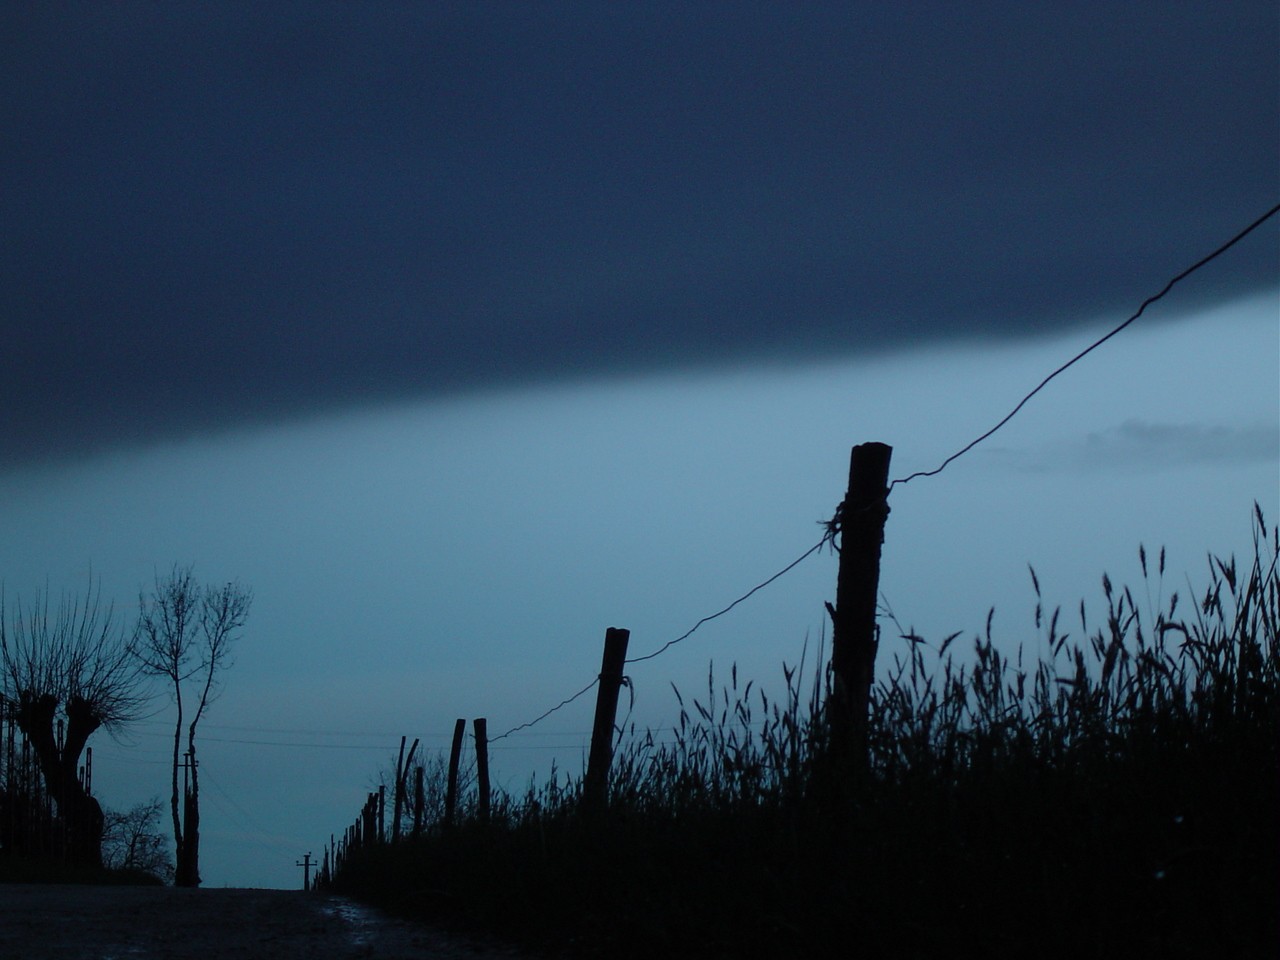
(59, 765)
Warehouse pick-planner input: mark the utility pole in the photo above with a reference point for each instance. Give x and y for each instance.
(305, 864)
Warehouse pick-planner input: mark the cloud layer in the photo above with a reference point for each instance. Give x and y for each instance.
(219, 216)
(1143, 445)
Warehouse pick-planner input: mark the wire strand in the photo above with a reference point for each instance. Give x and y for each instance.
(562, 703)
(1093, 346)
(670, 643)
(759, 586)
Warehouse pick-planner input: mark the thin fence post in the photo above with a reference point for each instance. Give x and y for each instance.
(596, 784)
(403, 764)
(368, 829)
(854, 638)
(399, 797)
(455, 755)
(482, 766)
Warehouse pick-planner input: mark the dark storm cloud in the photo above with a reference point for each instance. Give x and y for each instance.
(221, 213)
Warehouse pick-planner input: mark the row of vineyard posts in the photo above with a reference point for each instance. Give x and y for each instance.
(859, 521)
(30, 824)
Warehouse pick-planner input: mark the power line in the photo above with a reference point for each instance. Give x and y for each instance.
(323, 733)
(296, 731)
(1093, 346)
(122, 758)
(275, 743)
(246, 820)
(301, 746)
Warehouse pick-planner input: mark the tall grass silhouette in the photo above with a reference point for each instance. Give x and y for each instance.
(1118, 795)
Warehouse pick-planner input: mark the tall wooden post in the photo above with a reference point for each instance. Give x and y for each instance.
(596, 784)
(482, 766)
(854, 638)
(455, 755)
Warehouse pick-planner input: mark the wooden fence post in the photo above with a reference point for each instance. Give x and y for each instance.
(399, 797)
(403, 763)
(382, 813)
(455, 755)
(482, 766)
(368, 830)
(419, 799)
(596, 785)
(854, 638)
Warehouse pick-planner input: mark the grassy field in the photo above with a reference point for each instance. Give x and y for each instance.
(1118, 798)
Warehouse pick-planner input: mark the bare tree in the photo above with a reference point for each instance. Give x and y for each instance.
(66, 675)
(186, 632)
(132, 841)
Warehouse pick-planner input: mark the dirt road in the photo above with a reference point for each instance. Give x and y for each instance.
(58, 922)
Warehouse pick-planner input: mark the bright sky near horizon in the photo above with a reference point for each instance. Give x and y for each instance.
(461, 332)
(462, 559)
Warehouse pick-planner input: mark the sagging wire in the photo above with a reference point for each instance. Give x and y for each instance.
(1093, 346)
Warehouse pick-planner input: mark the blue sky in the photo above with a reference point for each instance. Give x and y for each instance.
(462, 332)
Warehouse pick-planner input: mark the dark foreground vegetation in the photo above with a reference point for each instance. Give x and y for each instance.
(33, 848)
(1118, 797)
(17, 870)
